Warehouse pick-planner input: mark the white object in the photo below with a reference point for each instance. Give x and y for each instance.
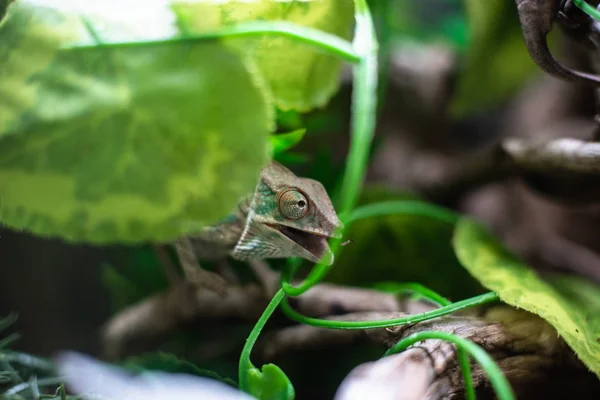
(91, 378)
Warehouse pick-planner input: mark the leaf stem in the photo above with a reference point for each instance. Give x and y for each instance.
(412, 207)
(324, 41)
(424, 291)
(364, 107)
(588, 9)
(364, 103)
(499, 382)
(465, 367)
(316, 274)
(245, 365)
(410, 319)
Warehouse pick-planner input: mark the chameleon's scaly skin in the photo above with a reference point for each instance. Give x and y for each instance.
(258, 229)
(218, 241)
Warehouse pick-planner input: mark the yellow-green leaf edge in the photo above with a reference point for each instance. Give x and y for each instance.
(518, 285)
(300, 77)
(35, 198)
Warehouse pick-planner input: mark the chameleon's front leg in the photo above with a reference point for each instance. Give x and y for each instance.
(194, 272)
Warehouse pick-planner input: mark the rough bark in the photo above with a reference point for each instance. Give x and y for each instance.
(535, 360)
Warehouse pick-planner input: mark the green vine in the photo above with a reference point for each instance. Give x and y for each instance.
(424, 292)
(310, 36)
(411, 207)
(364, 105)
(499, 382)
(465, 367)
(364, 108)
(410, 319)
(588, 9)
(245, 365)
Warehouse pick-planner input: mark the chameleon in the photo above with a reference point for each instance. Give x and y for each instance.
(285, 216)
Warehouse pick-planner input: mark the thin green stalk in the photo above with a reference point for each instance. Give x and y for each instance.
(588, 9)
(316, 274)
(89, 26)
(381, 11)
(364, 102)
(410, 319)
(245, 364)
(465, 368)
(412, 207)
(424, 291)
(363, 50)
(499, 382)
(364, 107)
(327, 42)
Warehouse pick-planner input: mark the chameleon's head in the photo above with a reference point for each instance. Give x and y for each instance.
(290, 217)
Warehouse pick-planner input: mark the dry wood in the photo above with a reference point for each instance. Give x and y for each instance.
(139, 325)
(527, 349)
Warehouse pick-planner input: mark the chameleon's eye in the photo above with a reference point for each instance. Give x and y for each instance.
(293, 204)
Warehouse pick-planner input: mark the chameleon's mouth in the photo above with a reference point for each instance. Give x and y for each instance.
(313, 243)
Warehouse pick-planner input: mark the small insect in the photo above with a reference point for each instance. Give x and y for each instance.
(95, 379)
(347, 242)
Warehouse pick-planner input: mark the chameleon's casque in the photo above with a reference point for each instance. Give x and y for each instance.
(286, 216)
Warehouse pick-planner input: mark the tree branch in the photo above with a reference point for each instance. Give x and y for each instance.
(564, 169)
(140, 324)
(526, 348)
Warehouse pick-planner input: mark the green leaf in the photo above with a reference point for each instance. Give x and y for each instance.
(3, 7)
(123, 144)
(300, 77)
(271, 384)
(401, 248)
(21, 33)
(170, 363)
(497, 62)
(284, 141)
(564, 303)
